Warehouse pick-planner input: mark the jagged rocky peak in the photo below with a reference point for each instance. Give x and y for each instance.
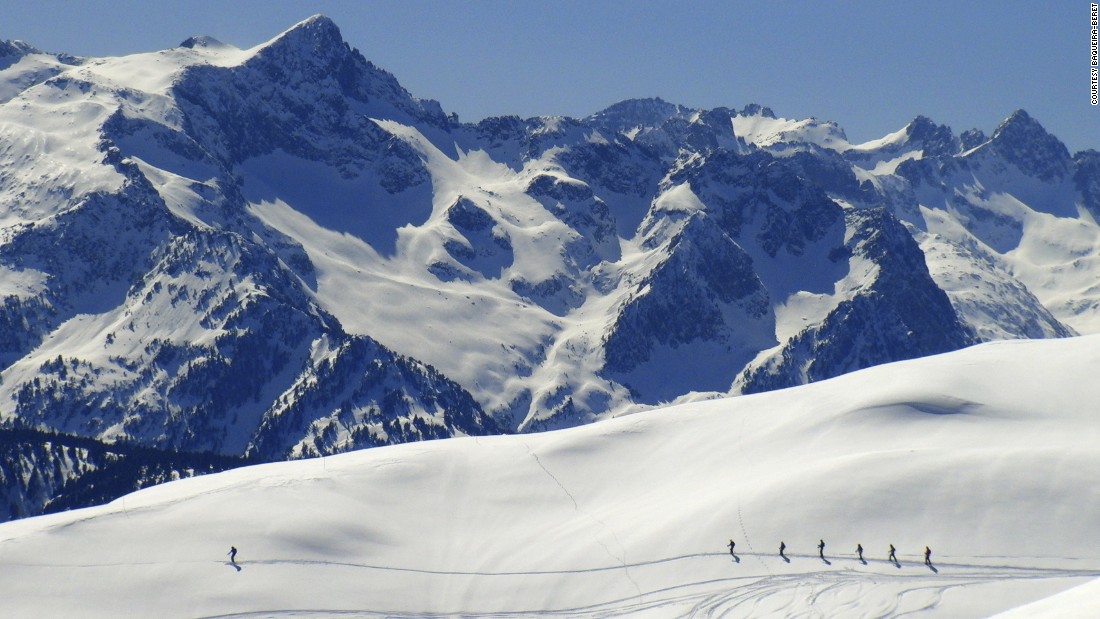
(635, 113)
(316, 35)
(316, 45)
(755, 109)
(499, 129)
(972, 138)
(312, 45)
(17, 48)
(12, 51)
(717, 117)
(935, 139)
(1022, 141)
(296, 93)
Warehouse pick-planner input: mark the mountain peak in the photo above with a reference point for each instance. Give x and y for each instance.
(203, 42)
(308, 73)
(632, 113)
(755, 109)
(318, 23)
(1019, 125)
(972, 138)
(12, 51)
(936, 139)
(1021, 140)
(1021, 116)
(317, 37)
(921, 122)
(16, 48)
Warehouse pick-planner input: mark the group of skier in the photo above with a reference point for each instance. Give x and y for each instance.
(892, 557)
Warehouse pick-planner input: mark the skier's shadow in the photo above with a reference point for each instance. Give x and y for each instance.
(234, 565)
(826, 561)
(933, 568)
(736, 559)
(863, 561)
(786, 558)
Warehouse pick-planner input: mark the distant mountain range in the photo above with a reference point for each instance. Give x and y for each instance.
(279, 252)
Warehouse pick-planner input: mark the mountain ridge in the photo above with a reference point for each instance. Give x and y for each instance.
(281, 252)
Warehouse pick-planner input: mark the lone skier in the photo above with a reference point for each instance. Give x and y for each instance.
(927, 555)
(893, 557)
(859, 551)
(233, 555)
(782, 547)
(821, 549)
(731, 545)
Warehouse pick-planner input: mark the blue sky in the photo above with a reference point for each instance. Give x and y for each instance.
(869, 66)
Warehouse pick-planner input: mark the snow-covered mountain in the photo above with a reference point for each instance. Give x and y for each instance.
(280, 252)
(987, 456)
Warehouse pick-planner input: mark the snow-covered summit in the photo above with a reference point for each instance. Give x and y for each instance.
(314, 41)
(935, 139)
(1023, 142)
(762, 128)
(16, 48)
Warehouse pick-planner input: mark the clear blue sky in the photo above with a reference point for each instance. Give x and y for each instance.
(871, 66)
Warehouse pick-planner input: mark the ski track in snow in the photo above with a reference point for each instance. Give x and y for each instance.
(841, 591)
(621, 558)
(740, 518)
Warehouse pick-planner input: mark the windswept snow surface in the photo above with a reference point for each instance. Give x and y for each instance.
(987, 455)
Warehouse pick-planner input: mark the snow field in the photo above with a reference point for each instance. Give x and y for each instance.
(986, 455)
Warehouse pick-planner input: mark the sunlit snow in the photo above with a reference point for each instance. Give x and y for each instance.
(985, 455)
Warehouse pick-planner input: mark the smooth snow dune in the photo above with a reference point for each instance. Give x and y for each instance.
(987, 455)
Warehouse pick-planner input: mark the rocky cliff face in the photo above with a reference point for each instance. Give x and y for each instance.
(893, 311)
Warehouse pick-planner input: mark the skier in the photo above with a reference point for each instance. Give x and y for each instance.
(893, 557)
(927, 555)
(821, 549)
(233, 555)
(731, 545)
(782, 547)
(859, 551)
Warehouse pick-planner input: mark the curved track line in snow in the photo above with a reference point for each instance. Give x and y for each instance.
(847, 592)
(412, 570)
(877, 590)
(576, 506)
(740, 518)
(966, 571)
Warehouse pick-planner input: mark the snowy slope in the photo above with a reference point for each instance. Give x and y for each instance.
(986, 455)
(280, 251)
